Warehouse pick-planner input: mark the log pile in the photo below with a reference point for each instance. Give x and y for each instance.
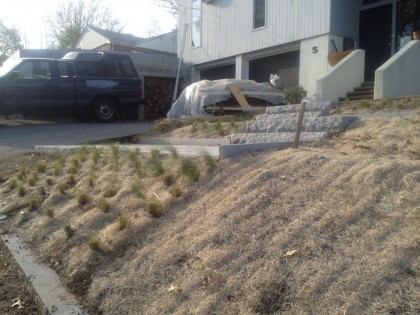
(158, 93)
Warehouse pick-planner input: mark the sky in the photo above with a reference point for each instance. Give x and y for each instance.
(28, 16)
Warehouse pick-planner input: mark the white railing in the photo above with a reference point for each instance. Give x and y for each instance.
(342, 78)
(400, 75)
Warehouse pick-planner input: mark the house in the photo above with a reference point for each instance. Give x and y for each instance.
(299, 40)
(94, 38)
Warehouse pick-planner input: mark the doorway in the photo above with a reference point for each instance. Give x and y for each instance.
(375, 37)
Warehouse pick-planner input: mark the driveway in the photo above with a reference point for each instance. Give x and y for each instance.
(23, 137)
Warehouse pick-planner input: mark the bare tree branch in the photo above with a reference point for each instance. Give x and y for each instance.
(69, 20)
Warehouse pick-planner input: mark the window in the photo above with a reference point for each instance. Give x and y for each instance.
(259, 13)
(63, 70)
(196, 23)
(128, 68)
(35, 70)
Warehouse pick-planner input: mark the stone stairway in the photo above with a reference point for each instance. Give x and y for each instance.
(364, 92)
(278, 125)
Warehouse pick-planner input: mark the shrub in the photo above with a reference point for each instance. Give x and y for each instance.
(93, 243)
(294, 95)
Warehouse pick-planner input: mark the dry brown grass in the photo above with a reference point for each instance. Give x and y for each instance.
(331, 229)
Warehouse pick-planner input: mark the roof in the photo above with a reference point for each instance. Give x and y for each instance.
(117, 38)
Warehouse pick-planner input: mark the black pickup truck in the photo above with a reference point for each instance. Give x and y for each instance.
(99, 85)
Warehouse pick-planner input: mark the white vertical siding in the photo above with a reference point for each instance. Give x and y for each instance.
(227, 26)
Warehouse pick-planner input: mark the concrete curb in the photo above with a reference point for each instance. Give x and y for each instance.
(49, 294)
(184, 141)
(186, 150)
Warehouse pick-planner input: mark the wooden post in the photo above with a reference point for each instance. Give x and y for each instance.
(299, 125)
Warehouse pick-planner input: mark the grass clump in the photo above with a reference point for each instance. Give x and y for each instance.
(168, 179)
(122, 222)
(62, 187)
(94, 242)
(41, 166)
(50, 212)
(208, 159)
(194, 126)
(154, 208)
(33, 203)
(22, 172)
(42, 190)
(57, 169)
(82, 153)
(173, 152)
(104, 205)
(12, 183)
(156, 166)
(176, 191)
(136, 188)
(75, 162)
(49, 181)
(2, 177)
(32, 179)
(21, 190)
(364, 104)
(91, 179)
(96, 154)
(82, 198)
(219, 128)
(69, 230)
(110, 191)
(189, 170)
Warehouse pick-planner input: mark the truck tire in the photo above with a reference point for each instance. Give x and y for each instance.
(105, 110)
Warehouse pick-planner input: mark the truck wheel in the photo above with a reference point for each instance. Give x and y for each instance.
(105, 110)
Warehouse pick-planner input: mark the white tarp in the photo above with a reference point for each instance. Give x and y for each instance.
(197, 96)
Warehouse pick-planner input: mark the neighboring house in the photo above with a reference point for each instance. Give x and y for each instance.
(98, 39)
(249, 39)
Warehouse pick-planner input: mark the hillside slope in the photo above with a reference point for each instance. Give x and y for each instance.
(328, 229)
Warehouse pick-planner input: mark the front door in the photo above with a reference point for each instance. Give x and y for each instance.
(375, 37)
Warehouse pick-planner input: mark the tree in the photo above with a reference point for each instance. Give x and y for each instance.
(10, 41)
(69, 20)
(170, 5)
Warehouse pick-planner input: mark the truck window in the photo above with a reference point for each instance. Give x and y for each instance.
(128, 68)
(35, 70)
(63, 70)
(114, 68)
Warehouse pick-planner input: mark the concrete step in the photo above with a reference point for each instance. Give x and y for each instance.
(356, 97)
(291, 115)
(309, 107)
(184, 141)
(305, 137)
(310, 124)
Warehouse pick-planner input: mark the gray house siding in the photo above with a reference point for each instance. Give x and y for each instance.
(227, 26)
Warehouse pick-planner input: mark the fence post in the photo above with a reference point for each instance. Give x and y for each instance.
(299, 125)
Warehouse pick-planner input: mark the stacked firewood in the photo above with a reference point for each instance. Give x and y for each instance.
(158, 93)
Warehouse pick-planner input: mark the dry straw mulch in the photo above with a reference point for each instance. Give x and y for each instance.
(329, 229)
